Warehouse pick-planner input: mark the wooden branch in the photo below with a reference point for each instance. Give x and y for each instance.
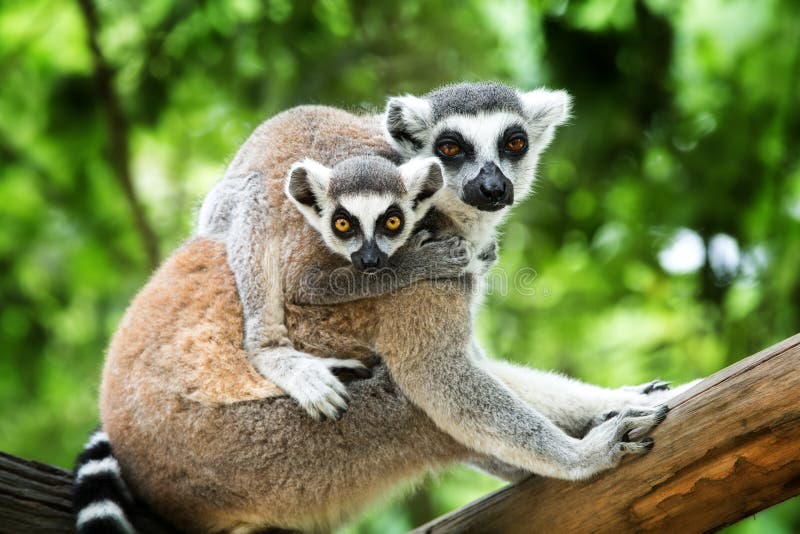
(729, 448)
(117, 132)
(35, 497)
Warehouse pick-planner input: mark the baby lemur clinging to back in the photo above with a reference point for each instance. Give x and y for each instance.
(488, 138)
(210, 445)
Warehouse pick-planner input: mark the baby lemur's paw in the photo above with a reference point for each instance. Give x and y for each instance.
(311, 381)
(621, 434)
(317, 389)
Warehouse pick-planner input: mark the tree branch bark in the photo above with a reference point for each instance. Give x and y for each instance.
(36, 497)
(117, 132)
(729, 448)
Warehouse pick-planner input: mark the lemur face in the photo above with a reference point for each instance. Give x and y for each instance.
(365, 207)
(487, 136)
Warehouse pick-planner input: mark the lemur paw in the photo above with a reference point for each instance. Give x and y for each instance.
(311, 382)
(323, 395)
(449, 255)
(419, 239)
(621, 434)
(647, 388)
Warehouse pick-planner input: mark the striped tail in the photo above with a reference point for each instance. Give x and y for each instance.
(101, 500)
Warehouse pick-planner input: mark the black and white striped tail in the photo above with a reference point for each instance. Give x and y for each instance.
(101, 499)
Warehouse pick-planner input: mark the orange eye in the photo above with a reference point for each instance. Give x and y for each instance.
(449, 149)
(341, 224)
(393, 222)
(515, 145)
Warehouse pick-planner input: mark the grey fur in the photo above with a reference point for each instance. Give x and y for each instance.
(364, 174)
(473, 98)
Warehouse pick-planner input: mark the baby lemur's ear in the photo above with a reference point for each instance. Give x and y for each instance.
(306, 186)
(545, 108)
(423, 178)
(406, 120)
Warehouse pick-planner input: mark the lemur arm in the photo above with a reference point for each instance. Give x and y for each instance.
(439, 375)
(574, 406)
(421, 258)
(237, 211)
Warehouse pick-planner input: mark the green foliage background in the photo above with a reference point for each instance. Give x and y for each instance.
(684, 147)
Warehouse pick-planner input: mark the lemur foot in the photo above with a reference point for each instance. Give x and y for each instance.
(311, 381)
(661, 395)
(648, 388)
(606, 444)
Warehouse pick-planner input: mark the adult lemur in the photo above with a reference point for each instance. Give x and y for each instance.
(206, 441)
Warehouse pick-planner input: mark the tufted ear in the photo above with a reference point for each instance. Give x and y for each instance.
(422, 178)
(545, 108)
(306, 186)
(406, 120)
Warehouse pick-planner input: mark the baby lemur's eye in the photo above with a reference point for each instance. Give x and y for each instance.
(516, 144)
(341, 224)
(449, 149)
(393, 222)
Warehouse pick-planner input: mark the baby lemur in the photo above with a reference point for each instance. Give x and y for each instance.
(212, 446)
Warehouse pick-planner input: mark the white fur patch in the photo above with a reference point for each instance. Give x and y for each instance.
(551, 108)
(94, 439)
(367, 208)
(94, 467)
(102, 510)
(316, 177)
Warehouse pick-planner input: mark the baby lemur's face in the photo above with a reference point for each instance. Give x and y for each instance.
(488, 137)
(364, 207)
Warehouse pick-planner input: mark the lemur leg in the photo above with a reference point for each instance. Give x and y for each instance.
(253, 256)
(462, 398)
(572, 405)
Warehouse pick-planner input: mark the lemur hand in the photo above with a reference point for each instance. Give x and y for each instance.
(606, 444)
(309, 380)
(432, 257)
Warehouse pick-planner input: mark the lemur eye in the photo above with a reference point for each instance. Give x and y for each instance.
(341, 224)
(515, 145)
(393, 222)
(449, 149)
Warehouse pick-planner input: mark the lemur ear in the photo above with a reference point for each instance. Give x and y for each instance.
(406, 120)
(306, 186)
(423, 178)
(546, 108)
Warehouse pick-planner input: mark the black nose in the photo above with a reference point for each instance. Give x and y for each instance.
(490, 190)
(494, 190)
(368, 257)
